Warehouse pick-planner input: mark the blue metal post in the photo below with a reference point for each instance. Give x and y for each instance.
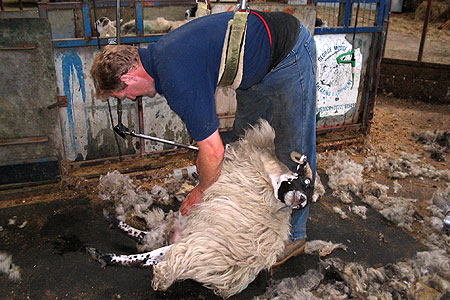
(139, 19)
(86, 20)
(348, 13)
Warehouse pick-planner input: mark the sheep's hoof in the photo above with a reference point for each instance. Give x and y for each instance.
(103, 259)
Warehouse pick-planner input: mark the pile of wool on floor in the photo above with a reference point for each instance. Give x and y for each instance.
(436, 142)
(426, 276)
(346, 180)
(8, 268)
(130, 201)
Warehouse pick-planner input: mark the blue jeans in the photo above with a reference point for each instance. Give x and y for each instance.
(286, 98)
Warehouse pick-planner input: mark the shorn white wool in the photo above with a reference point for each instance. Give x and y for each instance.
(238, 230)
(8, 267)
(129, 200)
(121, 190)
(346, 178)
(424, 277)
(324, 248)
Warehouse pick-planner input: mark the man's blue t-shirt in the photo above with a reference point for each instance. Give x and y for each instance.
(185, 66)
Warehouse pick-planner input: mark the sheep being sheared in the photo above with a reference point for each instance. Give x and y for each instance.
(240, 226)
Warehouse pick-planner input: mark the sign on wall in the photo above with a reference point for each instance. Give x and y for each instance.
(337, 90)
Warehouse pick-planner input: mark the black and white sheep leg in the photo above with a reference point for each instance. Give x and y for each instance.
(134, 233)
(146, 259)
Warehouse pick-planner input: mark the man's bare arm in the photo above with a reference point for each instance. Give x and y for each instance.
(209, 164)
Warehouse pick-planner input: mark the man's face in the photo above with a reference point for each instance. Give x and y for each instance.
(126, 93)
(136, 86)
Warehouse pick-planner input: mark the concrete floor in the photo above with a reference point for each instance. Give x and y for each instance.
(50, 251)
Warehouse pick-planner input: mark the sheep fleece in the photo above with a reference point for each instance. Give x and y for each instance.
(237, 230)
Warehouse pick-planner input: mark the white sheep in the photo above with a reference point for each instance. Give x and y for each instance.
(105, 27)
(160, 25)
(240, 226)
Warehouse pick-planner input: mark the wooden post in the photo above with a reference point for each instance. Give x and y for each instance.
(424, 31)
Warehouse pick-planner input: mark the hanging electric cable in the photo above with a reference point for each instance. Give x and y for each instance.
(119, 103)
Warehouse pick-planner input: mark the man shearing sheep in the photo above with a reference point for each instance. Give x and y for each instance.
(275, 80)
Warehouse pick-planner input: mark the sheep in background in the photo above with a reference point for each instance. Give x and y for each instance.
(199, 10)
(190, 12)
(160, 25)
(105, 27)
(240, 226)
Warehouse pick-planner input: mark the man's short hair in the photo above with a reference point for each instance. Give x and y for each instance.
(109, 65)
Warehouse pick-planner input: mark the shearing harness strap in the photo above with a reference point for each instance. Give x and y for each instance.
(231, 66)
(232, 62)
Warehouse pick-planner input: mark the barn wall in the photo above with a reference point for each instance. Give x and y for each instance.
(30, 135)
(86, 124)
(415, 80)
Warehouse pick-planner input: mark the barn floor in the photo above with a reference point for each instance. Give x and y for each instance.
(65, 218)
(50, 251)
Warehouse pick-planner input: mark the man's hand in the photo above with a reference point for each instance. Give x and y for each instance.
(191, 200)
(209, 164)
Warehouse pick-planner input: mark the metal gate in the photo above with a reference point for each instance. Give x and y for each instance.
(345, 101)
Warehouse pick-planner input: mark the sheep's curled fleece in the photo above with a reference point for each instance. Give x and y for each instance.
(237, 230)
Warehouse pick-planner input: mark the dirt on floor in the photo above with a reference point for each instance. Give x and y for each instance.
(393, 134)
(395, 121)
(404, 35)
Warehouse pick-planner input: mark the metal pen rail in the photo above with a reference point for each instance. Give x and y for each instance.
(89, 37)
(338, 14)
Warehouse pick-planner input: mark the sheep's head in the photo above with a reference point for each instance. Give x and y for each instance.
(296, 189)
(105, 26)
(102, 23)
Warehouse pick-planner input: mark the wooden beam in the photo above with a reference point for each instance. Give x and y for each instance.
(21, 141)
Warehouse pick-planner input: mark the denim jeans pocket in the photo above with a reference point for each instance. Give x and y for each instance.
(289, 60)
